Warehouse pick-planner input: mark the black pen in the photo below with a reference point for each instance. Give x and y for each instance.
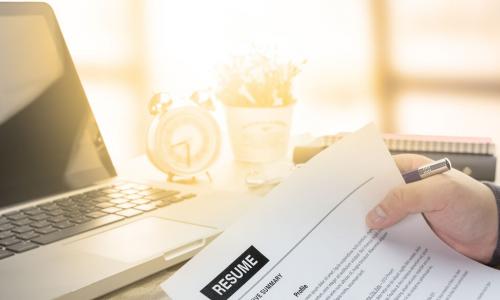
(433, 168)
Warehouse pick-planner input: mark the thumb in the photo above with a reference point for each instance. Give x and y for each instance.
(402, 201)
(410, 162)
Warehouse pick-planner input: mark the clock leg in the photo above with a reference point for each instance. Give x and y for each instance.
(208, 176)
(171, 177)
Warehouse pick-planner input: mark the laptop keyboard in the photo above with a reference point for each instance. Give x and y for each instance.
(43, 224)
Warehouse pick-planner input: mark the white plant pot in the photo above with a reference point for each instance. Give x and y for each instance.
(261, 134)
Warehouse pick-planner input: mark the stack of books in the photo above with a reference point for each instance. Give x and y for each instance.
(474, 156)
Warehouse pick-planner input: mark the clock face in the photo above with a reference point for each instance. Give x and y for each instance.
(184, 141)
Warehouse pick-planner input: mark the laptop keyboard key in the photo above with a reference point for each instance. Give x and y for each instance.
(4, 220)
(111, 210)
(79, 198)
(104, 205)
(94, 193)
(79, 220)
(129, 212)
(115, 195)
(175, 199)
(21, 247)
(65, 203)
(72, 213)
(28, 235)
(126, 205)
(146, 207)
(133, 196)
(5, 253)
(85, 206)
(187, 196)
(57, 219)
(86, 210)
(101, 199)
(33, 211)
(123, 186)
(96, 214)
(39, 217)
(6, 234)
(9, 241)
(129, 191)
(15, 212)
(160, 195)
(55, 212)
(49, 206)
(22, 229)
(119, 200)
(155, 191)
(71, 231)
(6, 226)
(140, 201)
(45, 230)
(15, 217)
(22, 222)
(160, 203)
(64, 224)
(95, 208)
(144, 193)
(140, 187)
(40, 224)
(69, 208)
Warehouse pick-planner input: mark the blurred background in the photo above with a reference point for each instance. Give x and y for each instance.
(412, 66)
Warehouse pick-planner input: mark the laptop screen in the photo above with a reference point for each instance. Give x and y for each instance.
(49, 140)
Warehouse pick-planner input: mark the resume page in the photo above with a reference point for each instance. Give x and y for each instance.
(308, 240)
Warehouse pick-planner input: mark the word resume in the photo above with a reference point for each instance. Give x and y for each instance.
(308, 240)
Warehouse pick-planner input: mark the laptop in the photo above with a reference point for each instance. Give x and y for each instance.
(69, 227)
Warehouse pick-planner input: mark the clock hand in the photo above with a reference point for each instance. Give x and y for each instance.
(188, 156)
(188, 150)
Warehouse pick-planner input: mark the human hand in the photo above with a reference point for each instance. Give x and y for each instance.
(459, 209)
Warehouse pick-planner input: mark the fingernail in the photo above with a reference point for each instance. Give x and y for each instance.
(377, 215)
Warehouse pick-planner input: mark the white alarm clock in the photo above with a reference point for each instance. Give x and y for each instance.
(183, 138)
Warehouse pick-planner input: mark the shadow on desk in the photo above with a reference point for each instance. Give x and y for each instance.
(147, 288)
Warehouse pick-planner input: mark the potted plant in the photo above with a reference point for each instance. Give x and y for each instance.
(256, 91)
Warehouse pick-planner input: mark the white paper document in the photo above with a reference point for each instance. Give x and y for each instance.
(308, 240)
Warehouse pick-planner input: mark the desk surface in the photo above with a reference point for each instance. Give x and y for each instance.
(227, 176)
(147, 288)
